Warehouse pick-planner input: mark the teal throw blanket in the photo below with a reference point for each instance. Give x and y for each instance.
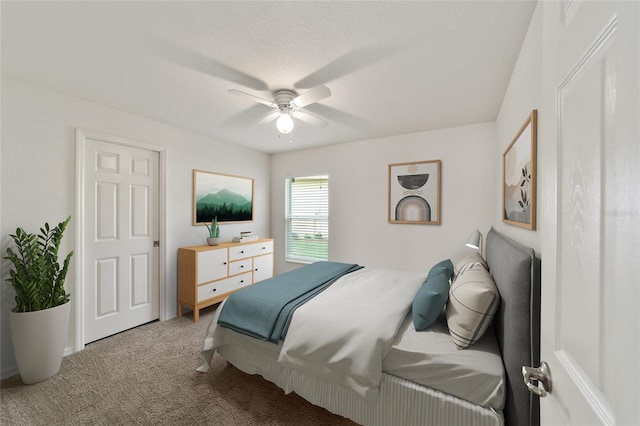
(264, 310)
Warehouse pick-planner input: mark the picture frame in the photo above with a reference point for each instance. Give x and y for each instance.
(414, 193)
(519, 176)
(227, 197)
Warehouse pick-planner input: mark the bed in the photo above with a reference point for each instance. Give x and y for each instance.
(399, 375)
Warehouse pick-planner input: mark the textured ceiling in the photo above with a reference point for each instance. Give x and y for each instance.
(392, 67)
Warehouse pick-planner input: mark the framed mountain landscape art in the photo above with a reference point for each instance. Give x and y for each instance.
(414, 192)
(519, 176)
(227, 197)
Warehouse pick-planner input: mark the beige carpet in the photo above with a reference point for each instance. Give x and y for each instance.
(147, 376)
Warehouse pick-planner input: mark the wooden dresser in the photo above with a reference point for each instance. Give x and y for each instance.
(208, 274)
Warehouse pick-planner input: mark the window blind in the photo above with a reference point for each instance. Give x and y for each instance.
(307, 219)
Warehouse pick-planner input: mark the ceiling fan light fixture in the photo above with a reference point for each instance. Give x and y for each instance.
(287, 105)
(284, 124)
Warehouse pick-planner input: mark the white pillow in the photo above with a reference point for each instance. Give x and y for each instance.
(467, 262)
(473, 301)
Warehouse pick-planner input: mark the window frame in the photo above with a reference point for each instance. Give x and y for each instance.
(320, 245)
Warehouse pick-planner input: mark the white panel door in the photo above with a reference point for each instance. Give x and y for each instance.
(120, 281)
(591, 225)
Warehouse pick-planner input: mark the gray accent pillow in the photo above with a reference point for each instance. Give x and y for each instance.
(473, 301)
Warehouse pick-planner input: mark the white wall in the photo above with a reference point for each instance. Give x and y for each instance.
(523, 95)
(38, 177)
(358, 185)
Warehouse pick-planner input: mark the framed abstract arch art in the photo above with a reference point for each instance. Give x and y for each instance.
(414, 192)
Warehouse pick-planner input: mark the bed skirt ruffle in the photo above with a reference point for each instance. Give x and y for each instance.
(400, 402)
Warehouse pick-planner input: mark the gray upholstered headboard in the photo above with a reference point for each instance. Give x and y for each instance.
(516, 271)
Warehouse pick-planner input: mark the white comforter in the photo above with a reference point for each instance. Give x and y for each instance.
(346, 331)
(343, 334)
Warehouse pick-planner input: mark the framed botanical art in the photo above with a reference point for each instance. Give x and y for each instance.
(519, 176)
(227, 197)
(414, 192)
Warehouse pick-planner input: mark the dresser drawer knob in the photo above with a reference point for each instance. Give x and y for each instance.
(241, 281)
(241, 266)
(241, 251)
(224, 263)
(214, 290)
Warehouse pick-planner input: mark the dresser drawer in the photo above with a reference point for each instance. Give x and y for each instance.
(240, 266)
(212, 265)
(262, 267)
(217, 288)
(250, 249)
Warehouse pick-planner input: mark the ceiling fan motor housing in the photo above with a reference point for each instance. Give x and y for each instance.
(283, 98)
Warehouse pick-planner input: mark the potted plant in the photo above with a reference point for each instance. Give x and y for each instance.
(214, 232)
(40, 321)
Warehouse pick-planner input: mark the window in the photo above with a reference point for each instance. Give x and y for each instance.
(307, 219)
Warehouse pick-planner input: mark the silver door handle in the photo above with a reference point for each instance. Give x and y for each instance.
(542, 375)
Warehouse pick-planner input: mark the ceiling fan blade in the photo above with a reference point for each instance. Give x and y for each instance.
(311, 96)
(272, 115)
(254, 98)
(310, 118)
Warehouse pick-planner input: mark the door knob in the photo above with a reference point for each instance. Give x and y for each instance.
(542, 375)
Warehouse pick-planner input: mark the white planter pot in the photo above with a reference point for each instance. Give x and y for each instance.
(213, 241)
(38, 340)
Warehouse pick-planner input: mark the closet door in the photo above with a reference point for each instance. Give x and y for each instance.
(120, 281)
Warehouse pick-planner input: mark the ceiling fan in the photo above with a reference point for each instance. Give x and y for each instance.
(287, 105)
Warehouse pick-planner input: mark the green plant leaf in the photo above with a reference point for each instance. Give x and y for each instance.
(36, 277)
